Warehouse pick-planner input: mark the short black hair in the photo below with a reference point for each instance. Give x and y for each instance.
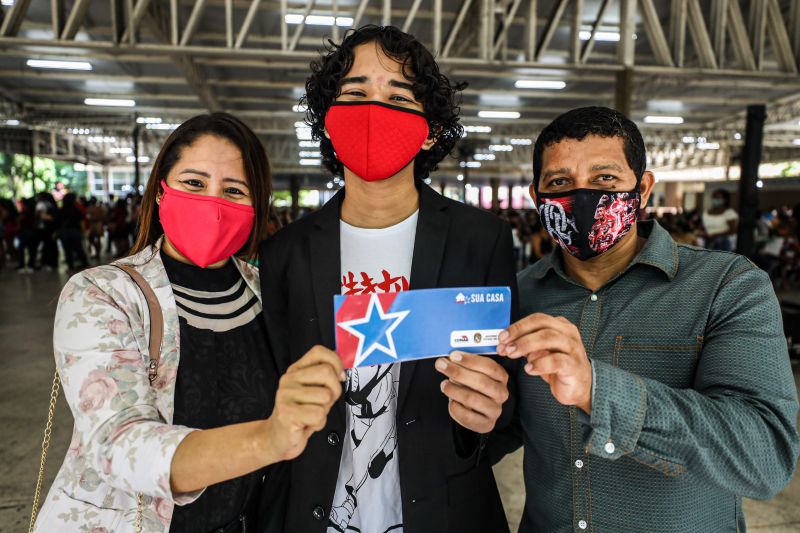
(594, 120)
(725, 195)
(440, 98)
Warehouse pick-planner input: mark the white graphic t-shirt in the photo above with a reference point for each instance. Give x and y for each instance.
(367, 497)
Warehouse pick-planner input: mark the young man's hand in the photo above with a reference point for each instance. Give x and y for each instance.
(477, 389)
(554, 350)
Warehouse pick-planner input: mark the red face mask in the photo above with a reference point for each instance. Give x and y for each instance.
(375, 140)
(206, 229)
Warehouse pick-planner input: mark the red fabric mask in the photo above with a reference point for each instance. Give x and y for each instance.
(206, 229)
(375, 140)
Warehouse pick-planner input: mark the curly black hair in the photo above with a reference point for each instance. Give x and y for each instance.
(440, 97)
(594, 120)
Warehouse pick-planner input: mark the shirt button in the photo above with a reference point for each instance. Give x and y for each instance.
(333, 438)
(579, 464)
(318, 513)
(593, 297)
(609, 447)
(582, 524)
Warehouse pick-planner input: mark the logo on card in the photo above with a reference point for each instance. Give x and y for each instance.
(460, 298)
(474, 338)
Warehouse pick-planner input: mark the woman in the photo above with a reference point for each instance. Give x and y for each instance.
(198, 437)
(720, 222)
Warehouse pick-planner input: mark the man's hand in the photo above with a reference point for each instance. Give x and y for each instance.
(305, 394)
(555, 352)
(477, 389)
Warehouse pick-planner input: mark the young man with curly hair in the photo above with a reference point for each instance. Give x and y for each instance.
(402, 450)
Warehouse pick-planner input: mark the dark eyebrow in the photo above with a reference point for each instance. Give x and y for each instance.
(609, 166)
(353, 79)
(562, 170)
(401, 85)
(193, 171)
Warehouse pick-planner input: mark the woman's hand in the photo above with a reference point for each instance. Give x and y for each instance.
(305, 394)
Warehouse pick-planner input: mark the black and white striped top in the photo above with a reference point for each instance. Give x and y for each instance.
(218, 311)
(222, 378)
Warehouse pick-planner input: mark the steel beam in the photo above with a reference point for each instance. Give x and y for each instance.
(135, 18)
(14, 17)
(530, 33)
(758, 29)
(77, 16)
(719, 22)
(503, 35)
(575, 36)
(739, 37)
(699, 31)
(780, 38)
(652, 25)
(589, 45)
(454, 29)
(413, 13)
(248, 21)
(677, 31)
(193, 22)
(552, 25)
(627, 27)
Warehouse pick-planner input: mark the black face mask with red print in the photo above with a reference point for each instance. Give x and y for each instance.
(588, 222)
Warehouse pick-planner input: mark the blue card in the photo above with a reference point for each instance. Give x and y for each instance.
(373, 329)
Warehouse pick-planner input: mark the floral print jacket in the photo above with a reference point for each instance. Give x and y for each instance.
(123, 439)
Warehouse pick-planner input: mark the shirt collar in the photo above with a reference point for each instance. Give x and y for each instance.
(660, 252)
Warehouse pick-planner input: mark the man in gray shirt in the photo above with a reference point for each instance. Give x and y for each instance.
(654, 384)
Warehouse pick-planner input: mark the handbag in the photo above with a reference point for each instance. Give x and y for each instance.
(156, 334)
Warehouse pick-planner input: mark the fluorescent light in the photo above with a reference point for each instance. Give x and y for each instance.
(7, 3)
(142, 159)
(427, 181)
(539, 84)
(609, 36)
(501, 148)
(309, 144)
(303, 134)
(318, 20)
(12, 122)
(688, 140)
(101, 139)
(478, 129)
(63, 65)
(485, 157)
(109, 102)
(299, 108)
(498, 114)
(310, 154)
(659, 119)
(148, 120)
(796, 142)
(737, 136)
(471, 164)
(121, 150)
(164, 127)
(521, 142)
(707, 146)
(310, 162)
(759, 184)
(460, 177)
(301, 124)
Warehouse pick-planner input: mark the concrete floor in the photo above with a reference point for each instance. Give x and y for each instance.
(27, 306)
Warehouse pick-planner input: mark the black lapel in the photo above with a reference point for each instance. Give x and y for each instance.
(325, 255)
(429, 243)
(324, 252)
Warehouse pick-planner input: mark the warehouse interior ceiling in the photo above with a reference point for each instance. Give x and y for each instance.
(684, 70)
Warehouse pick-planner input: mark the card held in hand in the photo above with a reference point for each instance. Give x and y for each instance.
(373, 329)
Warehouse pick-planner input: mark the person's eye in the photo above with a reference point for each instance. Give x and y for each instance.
(607, 178)
(558, 182)
(354, 92)
(401, 98)
(192, 183)
(234, 191)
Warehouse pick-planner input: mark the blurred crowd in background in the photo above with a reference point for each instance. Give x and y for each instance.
(41, 232)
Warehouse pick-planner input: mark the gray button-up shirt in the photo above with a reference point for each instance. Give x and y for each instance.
(694, 401)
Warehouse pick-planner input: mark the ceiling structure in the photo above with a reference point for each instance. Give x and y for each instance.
(700, 61)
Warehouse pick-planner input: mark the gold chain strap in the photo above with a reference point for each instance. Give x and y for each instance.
(48, 431)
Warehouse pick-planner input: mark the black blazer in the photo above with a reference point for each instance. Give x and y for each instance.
(446, 485)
